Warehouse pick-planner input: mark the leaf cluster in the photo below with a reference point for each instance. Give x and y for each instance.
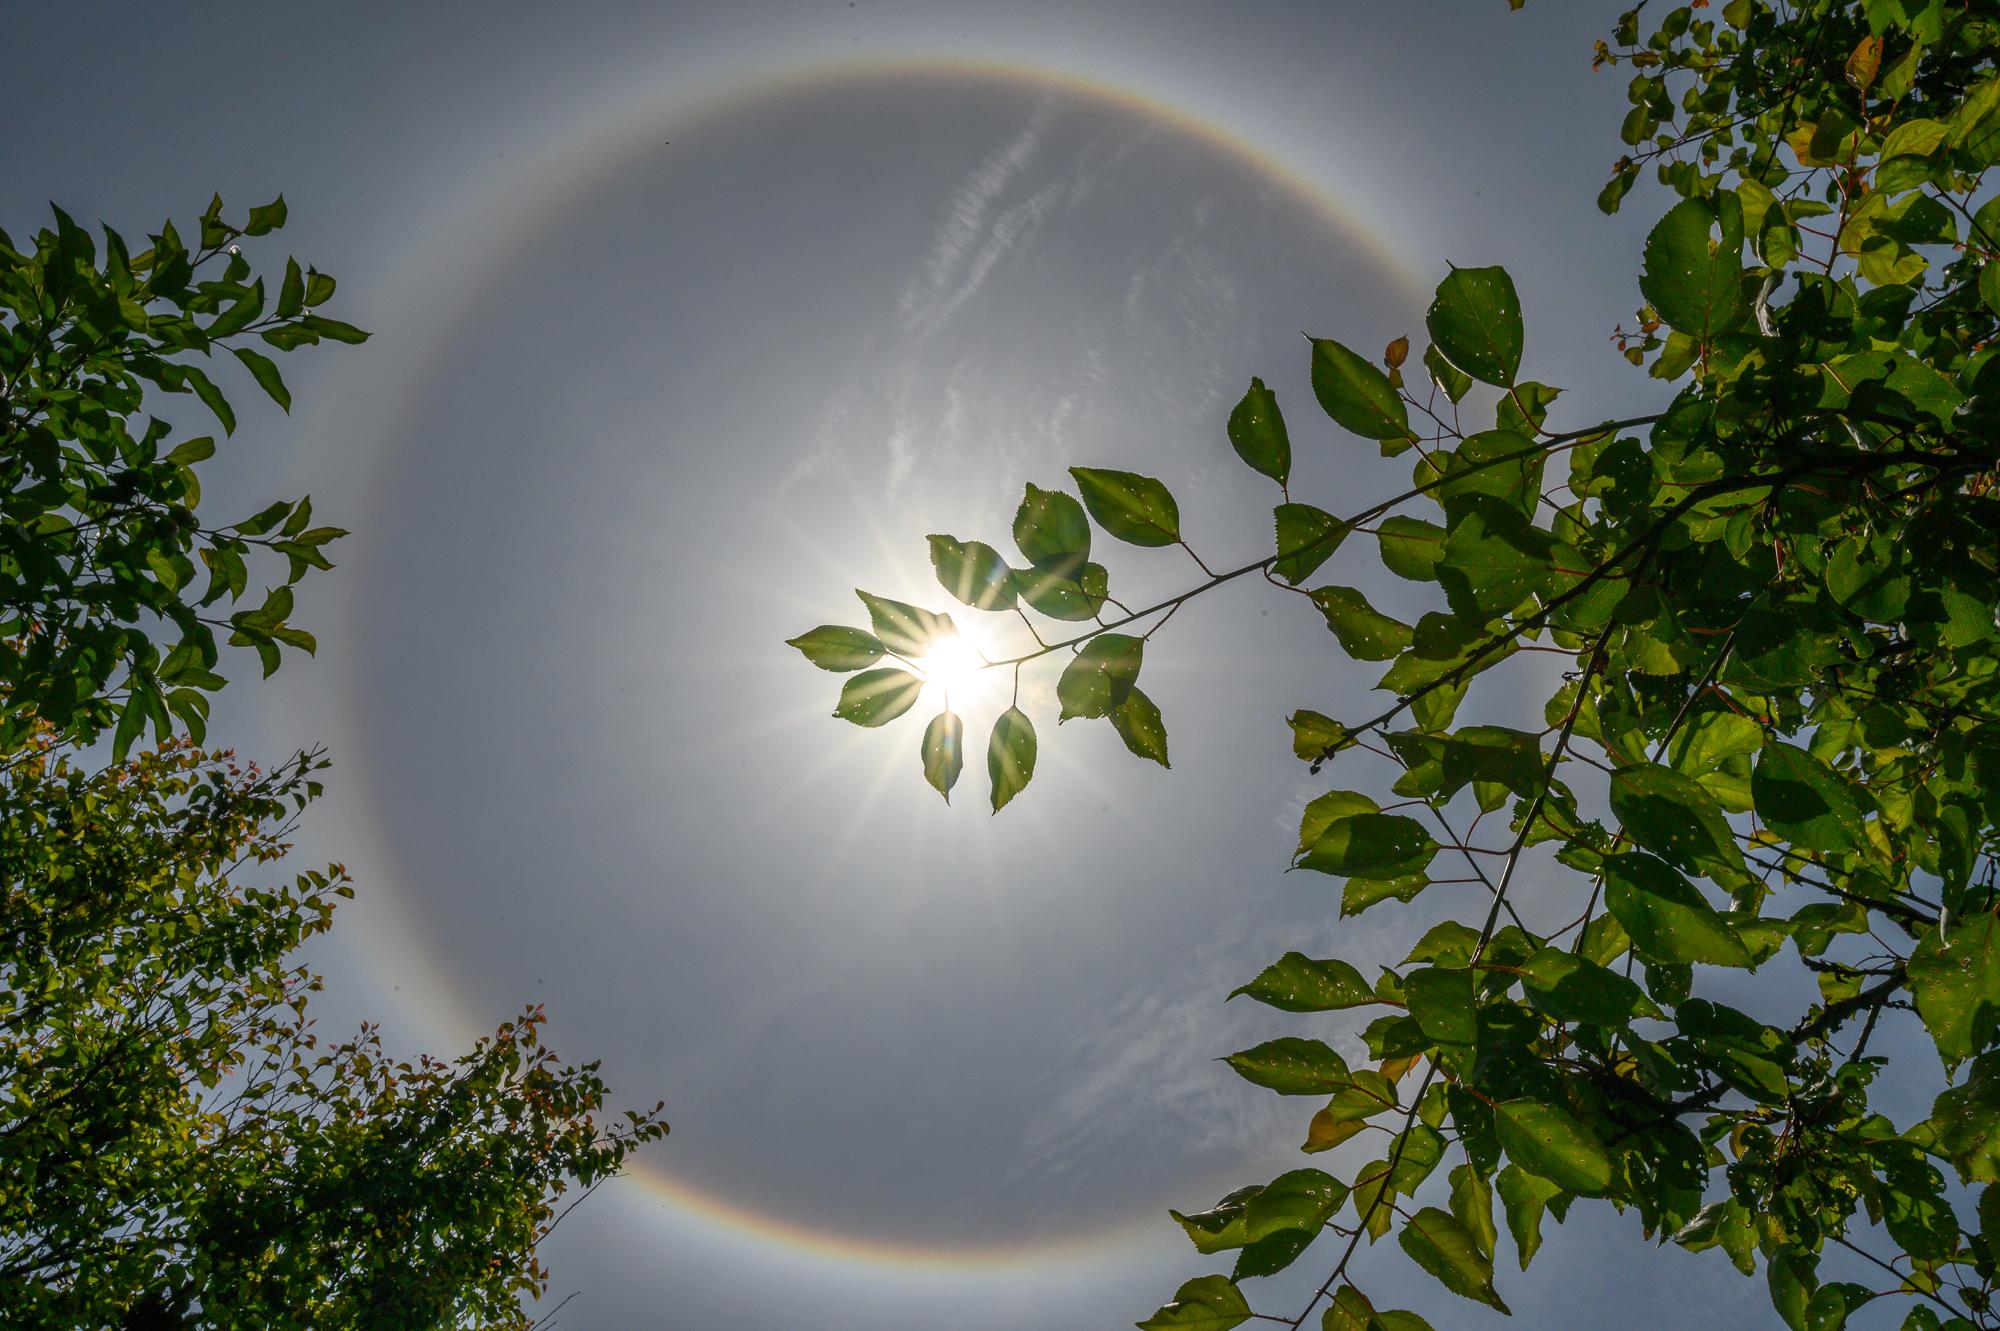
(1773, 747)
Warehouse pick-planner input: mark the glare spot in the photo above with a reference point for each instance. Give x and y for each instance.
(956, 668)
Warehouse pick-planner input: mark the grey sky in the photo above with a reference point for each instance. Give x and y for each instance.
(690, 318)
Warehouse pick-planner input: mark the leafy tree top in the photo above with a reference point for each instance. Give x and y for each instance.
(1774, 746)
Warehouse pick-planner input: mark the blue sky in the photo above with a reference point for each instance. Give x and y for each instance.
(691, 318)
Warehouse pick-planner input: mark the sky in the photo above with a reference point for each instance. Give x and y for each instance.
(688, 320)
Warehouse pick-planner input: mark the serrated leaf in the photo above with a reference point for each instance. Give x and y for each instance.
(1298, 983)
(837, 647)
(1955, 978)
(1805, 801)
(1472, 1206)
(1441, 1000)
(1666, 916)
(905, 629)
(1475, 321)
(1447, 1250)
(1071, 597)
(1545, 1140)
(1358, 396)
(1206, 1303)
(1307, 537)
(1257, 433)
(1572, 988)
(1525, 1197)
(973, 572)
(1100, 676)
(944, 752)
(877, 697)
(1010, 756)
(1691, 279)
(1133, 508)
(1371, 845)
(1411, 547)
(1667, 813)
(1292, 1066)
(1139, 723)
(1365, 633)
(1052, 532)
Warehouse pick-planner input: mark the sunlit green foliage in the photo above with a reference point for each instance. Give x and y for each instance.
(1773, 746)
(178, 1147)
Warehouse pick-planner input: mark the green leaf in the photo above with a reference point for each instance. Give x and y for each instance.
(1100, 677)
(1133, 508)
(1670, 815)
(1472, 1206)
(1221, 1227)
(1448, 1251)
(1440, 998)
(1327, 809)
(1570, 988)
(1316, 736)
(211, 397)
(1476, 322)
(292, 294)
(1371, 845)
(1207, 1303)
(877, 697)
(905, 629)
(1965, 1122)
(1955, 979)
(1667, 917)
(1365, 633)
(1545, 1140)
(1358, 396)
(1297, 983)
(973, 572)
(1307, 538)
(1692, 280)
(1494, 558)
(1010, 756)
(1139, 723)
(1072, 597)
(266, 374)
(1257, 433)
(1052, 532)
(1292, 1066)
(1525, 1196)
(1453, 382)
(1411, 547)
(1805, 801)
(944, 752)
(836, 647)
(268, 218)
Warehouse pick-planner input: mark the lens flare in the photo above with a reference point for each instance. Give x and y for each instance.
(956, 669)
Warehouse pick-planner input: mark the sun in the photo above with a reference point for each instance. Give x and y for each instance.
(956, 669)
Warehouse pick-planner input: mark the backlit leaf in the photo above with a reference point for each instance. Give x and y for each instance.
(836, 647)
(1010, 756)
(877, 697)
(944, 752)
(973, 572)
(1100, 676)
(905, 629)
(1307, 538)
(1358, 396)
(1448, 1251)
(1207, 1303)
(1135, 509)
(1257, 433)
(1297, 983)
(1476, 322)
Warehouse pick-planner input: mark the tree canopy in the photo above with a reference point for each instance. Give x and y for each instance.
(179, 1147)
(1772, 745)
